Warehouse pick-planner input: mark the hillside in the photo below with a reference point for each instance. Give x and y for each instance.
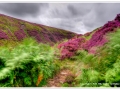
(89, 60)
(90, 41)
(12, 29)
(96, 56)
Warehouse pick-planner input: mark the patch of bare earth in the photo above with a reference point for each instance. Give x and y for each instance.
(64, 76)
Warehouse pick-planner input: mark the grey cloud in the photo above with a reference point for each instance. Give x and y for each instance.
(75, 17)
(22, 9)
(88, 16)
(79, 9)
(103, 12)
(73, 10)
(60, 11)
(107, 11)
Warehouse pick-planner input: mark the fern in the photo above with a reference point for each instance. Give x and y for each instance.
(89, 77)
(112, 75)
(25, 62)
(105, 64)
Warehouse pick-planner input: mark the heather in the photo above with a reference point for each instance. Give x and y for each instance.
(69, 48)
(35, 55)
(99, 55)
(103, 68)
(98, 38)
(17, 30)
(91, 40)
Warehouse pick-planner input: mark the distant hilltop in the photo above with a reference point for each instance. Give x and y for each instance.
(14, 29)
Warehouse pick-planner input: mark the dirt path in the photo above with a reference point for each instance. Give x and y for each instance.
(64, 76)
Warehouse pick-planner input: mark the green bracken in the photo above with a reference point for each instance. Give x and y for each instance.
(22, 65)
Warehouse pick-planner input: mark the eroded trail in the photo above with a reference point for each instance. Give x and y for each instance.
(64, 76)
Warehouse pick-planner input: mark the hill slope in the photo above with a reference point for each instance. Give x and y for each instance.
(89, 60)
(16, 30)
(90, 41)
(99, 53)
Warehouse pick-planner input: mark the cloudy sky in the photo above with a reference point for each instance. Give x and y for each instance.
(75, 17)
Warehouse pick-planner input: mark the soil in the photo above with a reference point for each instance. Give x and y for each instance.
(64, 76)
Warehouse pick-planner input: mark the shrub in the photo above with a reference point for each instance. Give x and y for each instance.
(69, 48)
(28, 64)
(112, 75)
(3, 35)
(105, 64)
(35, 34)
(89, 78)
(20, 34)
(98, 38)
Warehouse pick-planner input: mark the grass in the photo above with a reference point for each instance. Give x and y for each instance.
(103, 67)
(98, 70)
(27, 63)
(32, 27)
(14, 24)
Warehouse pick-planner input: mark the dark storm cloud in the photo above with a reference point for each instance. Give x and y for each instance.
(22, 9)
